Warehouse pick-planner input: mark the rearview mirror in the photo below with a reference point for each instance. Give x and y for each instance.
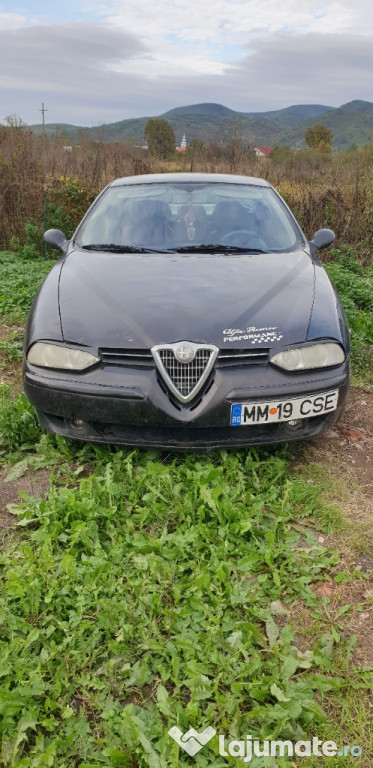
(55, 238)
(321, 239)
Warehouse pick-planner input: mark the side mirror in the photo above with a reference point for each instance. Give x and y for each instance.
(56, 239)
(321, 239)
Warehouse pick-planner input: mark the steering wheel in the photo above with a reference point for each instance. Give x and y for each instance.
(242, 235)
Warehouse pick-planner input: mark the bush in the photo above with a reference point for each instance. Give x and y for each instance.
(33, 247)
(68, 201)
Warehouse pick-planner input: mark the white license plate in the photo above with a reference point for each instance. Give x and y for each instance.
(244, 414)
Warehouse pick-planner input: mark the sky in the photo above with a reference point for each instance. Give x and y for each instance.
(92, 62)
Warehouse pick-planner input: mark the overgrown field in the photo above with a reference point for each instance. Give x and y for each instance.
(43, 186)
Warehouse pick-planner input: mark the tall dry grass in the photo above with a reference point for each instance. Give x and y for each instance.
(323, 190)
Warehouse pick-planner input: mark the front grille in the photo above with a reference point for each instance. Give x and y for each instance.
(185, 376)
(131, 358)
(227, 358)
(233, 357)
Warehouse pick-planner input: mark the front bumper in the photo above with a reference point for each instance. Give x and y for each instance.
(132, 407)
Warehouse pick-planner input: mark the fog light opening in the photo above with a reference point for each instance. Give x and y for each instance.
(295, 424)
(77, 423)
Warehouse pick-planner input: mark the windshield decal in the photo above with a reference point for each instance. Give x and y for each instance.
(265, 335)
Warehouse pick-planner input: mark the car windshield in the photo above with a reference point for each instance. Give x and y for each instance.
(187, 217)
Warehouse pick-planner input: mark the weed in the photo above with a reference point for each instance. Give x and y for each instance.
(19, 427)
(147, 596)
(11, 352)
(355, 286)
(19, 281)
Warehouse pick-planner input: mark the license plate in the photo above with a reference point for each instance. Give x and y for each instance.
(244, 414)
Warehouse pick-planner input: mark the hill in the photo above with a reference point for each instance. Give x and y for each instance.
(214, 110)
(349, 128)
(351, 124)
(290, 116)
(358, 106)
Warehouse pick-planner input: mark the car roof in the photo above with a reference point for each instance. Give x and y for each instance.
(217, 178)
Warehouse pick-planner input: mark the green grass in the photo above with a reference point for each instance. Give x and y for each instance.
(19, 282)
(10, 352)
(19, 426)
(147, 596)
(354, 284)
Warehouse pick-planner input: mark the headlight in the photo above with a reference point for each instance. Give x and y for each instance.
(54, 356)
(312, 356)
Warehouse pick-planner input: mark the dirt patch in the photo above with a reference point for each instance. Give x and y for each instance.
(10, 331)
(35, 483)
(346, 453)
(348, 448)
(358, 620)
(13, 377)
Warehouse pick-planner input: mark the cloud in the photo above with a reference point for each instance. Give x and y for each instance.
(63, 64)
(144, 58)
(235, 20)
(290, 69)
(299, 69)
(12, 20)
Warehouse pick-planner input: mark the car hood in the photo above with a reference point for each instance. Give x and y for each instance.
(138, 300)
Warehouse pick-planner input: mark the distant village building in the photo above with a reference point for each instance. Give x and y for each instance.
(262, 151)
(183, 146)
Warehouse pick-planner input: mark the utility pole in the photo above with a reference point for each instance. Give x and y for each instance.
(45, 215)
(43, 111)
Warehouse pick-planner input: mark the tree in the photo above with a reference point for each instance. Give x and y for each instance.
(319, 137)
(160, 138)
(195, 151)
(234, 152)
(282, 154)
(13, 121)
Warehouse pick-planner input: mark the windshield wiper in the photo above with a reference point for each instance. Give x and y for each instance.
(217, 248)
(114, 248)
(202, 248)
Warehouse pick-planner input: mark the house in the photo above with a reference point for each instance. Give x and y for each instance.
(262, 151)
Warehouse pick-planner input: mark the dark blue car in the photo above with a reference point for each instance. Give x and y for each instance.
(188, 311)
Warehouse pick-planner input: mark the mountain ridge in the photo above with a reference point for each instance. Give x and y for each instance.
(351, 124)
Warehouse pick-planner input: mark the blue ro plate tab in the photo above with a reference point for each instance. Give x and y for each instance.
(236, 415)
